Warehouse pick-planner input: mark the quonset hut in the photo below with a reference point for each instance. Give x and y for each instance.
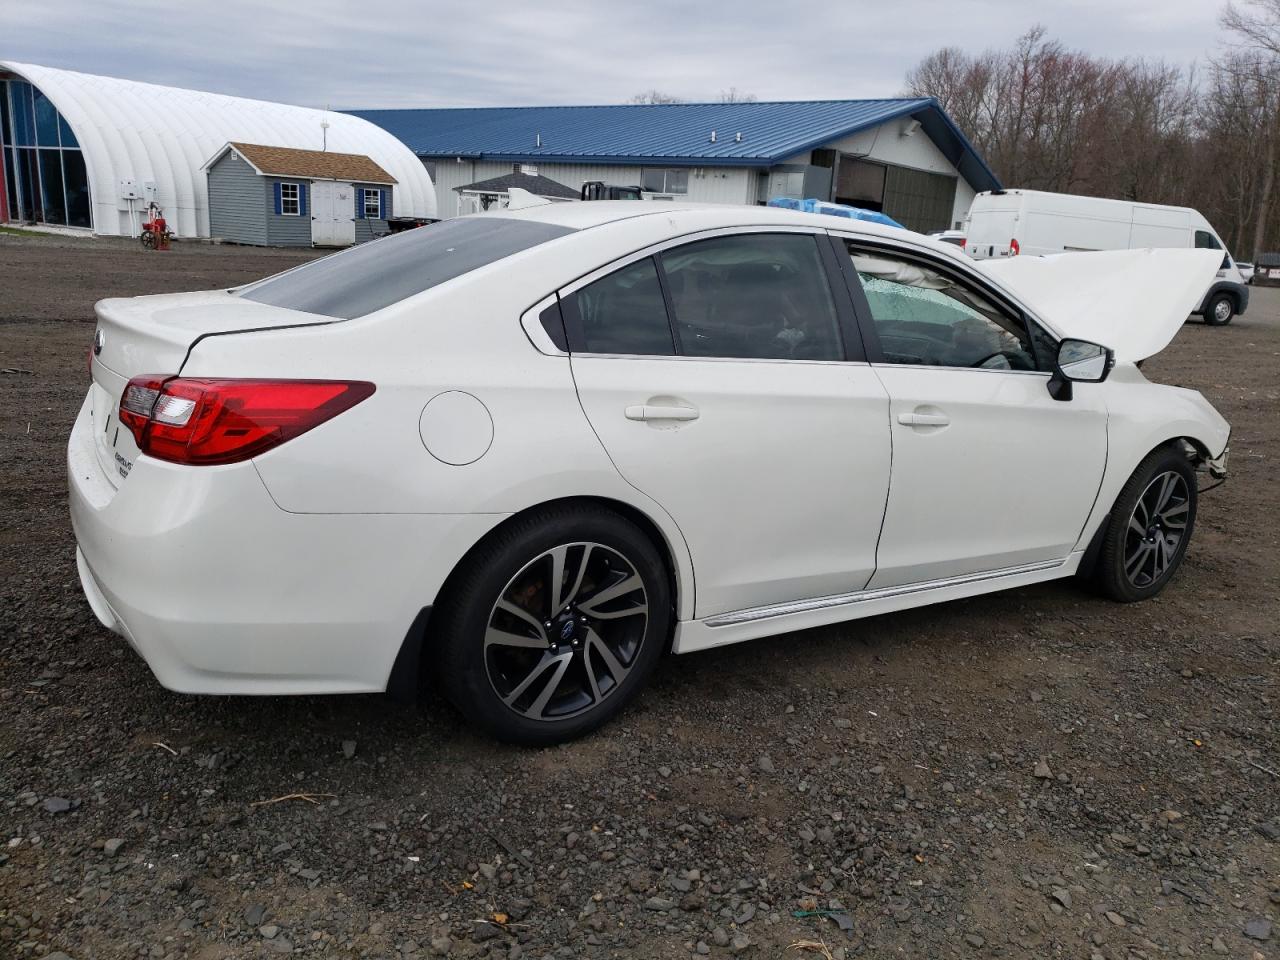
(90, 152)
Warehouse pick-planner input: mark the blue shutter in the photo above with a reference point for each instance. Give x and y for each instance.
(279, 205)
(359, 203)
(382, 205)
(302, 199)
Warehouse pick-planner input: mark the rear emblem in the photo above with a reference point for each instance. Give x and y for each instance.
(99, 340)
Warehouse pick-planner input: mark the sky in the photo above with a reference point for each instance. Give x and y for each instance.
(400, 53)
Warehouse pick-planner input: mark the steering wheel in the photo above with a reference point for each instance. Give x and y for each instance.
(1016, 360)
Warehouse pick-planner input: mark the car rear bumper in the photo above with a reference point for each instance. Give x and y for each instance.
(222, 592)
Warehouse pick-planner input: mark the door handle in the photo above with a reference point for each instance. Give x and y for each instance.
(651, 411)
(924, 419)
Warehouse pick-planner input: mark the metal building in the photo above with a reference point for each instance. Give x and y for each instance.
(91, 152)
(904, 157)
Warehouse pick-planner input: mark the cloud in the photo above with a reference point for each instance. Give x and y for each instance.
(398, 53)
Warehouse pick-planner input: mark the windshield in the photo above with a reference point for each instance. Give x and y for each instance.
(374, 275)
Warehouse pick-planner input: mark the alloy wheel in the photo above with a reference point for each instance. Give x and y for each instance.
(1156, 529)
(565, 631)
(1222, 311)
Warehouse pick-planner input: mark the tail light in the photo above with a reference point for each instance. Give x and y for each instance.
(1014, 248)
(205, 422)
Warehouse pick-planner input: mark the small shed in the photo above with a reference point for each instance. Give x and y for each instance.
(1266, 272)
(483, 194)
(284, 197)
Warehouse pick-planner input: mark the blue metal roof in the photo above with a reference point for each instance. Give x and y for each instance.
(746, 134)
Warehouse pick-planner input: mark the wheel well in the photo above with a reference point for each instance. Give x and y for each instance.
(407, 674)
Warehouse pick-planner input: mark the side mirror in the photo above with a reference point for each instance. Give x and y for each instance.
(1079, 361)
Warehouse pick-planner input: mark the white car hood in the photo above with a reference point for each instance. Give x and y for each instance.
(1133, 301)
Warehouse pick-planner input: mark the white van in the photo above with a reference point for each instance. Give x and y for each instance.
(1006, 223)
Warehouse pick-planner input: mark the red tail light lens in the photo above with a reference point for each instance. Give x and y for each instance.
(206, 422)
(1014, 248)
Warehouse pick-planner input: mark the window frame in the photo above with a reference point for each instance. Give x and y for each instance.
(286, 185)
(851, 340)
(365, 194)
(666, 171)
(1043, 349)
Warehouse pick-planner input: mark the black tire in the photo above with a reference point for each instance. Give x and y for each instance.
(516, 564)
(1219, 311)
(1136, 565)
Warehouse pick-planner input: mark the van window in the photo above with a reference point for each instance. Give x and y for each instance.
(1207, 241)
(374, 275)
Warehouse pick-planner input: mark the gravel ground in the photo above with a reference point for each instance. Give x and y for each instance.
(1035, 773)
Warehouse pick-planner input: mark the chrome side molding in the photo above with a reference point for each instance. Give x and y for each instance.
(862, 596)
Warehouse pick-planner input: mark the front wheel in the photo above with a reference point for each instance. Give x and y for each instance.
(1219, 310)
(553, 625)
(1150, 527)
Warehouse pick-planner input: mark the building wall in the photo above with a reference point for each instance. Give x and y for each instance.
(706, 184)
(370, 229)
(235, 202)
(285, 231)
(886, 144)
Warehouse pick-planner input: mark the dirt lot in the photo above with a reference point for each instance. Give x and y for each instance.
(1036, 773)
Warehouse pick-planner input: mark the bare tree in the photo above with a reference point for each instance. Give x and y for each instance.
(1050, 118)
(1257, 24)
(734, 95)
(655, 96)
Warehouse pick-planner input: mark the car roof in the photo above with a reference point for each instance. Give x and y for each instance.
(580, 215)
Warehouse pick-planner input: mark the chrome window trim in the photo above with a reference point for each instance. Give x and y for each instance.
(886, 365)
(752, 614)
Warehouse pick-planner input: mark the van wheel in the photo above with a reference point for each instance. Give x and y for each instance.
(1150, 527)
(553, 625)
(1220, 310)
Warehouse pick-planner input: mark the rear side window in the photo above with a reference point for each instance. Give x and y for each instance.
(625, 313)
(755, 296)
(374, 275)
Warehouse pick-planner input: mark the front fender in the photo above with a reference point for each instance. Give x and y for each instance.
(1142, 416)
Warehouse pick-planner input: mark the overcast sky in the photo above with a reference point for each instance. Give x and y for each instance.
(398, 53)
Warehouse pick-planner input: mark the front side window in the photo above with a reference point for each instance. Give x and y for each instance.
(665, 180)
(758, 296)
(289, 205)
(373, 204)
(1207, 241)
(624, 313)
(923, 316)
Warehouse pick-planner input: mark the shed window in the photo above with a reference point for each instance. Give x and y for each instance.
(665, 180)
(289, 203)
(373, 204)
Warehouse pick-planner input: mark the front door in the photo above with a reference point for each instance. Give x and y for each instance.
(989, 471)
(333, 213)
(737, 411)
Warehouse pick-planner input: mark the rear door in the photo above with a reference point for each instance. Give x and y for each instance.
(725, 379)
(989, 472)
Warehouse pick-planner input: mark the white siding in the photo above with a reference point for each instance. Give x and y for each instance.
(706, 184)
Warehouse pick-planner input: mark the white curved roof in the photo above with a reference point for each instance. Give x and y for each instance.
(149, 133)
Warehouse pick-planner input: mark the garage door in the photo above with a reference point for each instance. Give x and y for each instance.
(919, 201)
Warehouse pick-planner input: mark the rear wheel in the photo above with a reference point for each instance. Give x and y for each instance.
(554, 624)
(1219, 310)
(1150, 527)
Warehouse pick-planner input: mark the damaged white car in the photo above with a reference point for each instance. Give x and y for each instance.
(522, 455)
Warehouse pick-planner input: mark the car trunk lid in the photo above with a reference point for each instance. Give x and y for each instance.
(152, 335)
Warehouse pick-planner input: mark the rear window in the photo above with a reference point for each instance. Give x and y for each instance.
(375, 275)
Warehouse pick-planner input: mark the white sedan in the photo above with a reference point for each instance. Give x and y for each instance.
(522, 455)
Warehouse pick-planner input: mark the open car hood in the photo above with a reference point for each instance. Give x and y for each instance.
(1133, 301)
